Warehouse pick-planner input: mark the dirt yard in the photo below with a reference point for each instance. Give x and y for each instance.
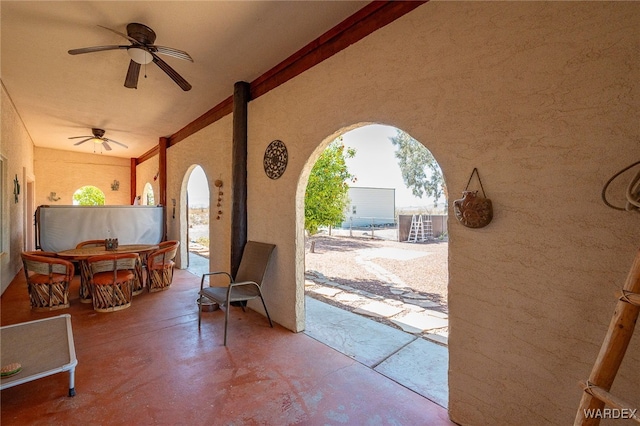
(382, 267)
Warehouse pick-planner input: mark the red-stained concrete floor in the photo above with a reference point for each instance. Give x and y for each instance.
(148, 364)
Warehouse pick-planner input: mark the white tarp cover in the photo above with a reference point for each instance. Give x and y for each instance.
(63, 227)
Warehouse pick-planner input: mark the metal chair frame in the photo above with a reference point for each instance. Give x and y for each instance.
(244, 287)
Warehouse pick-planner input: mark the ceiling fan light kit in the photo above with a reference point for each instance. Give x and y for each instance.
(139, 56)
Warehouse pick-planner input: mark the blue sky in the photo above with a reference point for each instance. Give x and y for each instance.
(374, 165)
(198, 189)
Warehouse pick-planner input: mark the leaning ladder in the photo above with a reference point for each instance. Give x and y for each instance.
(428, 227)
(416, 232)
(596, 389)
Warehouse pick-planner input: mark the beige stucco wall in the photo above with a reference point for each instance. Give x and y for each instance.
(209, 148)
(542, 98)
(64, 172)
(146, 172)
(16, 150)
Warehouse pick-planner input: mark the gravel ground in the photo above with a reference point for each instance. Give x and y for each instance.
(382, 267)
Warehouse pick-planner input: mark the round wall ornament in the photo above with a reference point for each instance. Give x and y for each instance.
(275, 159)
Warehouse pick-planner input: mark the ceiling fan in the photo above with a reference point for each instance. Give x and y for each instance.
(98, 137)
(142, 51)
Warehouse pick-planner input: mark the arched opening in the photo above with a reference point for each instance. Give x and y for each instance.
(148, 198)
(376, 284)
(197, 209)
(88, 195)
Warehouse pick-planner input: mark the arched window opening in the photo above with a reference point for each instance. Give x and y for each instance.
(148, 198)
(88, 195)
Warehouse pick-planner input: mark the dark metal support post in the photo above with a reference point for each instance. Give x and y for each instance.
(132, 181)
(163, 144)
(241, 95)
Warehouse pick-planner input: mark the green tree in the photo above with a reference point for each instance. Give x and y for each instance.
(420, 170)
(89, 196)
(326, 195)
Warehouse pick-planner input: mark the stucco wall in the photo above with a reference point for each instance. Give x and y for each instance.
(16, 149)
(542, 98)
(64, 172)
(146, 173)
(209, 148)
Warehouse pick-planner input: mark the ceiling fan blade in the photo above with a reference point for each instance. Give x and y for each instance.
(131, 39)
(106, 145)
(78, 143)
(184, 85)
(169, 51)
(78, 137)
(116, 142)
(131, 81)
(95, 49)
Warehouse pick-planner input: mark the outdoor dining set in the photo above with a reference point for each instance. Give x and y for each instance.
(110, 275)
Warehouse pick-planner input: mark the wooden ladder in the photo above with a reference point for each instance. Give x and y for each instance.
(596, 389)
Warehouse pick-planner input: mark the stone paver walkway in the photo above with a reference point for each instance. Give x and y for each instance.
(412, 314)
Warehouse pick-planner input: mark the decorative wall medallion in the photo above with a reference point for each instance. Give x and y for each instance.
(275, 159)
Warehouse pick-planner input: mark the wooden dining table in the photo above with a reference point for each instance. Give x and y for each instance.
(82, 254)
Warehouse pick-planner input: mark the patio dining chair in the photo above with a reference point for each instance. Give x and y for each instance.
(112, 280)
(245, 286)
(48, 279)
(160, 266)
(83, 269)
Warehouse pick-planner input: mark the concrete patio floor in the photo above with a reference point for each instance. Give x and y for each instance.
(152, 364)
(406, 357)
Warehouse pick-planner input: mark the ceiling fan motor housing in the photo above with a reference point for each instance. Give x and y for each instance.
(98, 133)
(141, 33)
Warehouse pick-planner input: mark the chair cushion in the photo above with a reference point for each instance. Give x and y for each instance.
(219, 294)
(106, 278)
(44, 279)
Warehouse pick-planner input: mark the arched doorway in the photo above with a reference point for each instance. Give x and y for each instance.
(372, 294)
(197, 216)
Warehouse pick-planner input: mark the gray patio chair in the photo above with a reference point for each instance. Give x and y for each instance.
(246, 285)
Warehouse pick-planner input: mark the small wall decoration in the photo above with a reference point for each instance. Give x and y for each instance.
(218, 184)
(473, 211)
(16, 189)
(115, 185)
(52, 196)
(275, 159)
